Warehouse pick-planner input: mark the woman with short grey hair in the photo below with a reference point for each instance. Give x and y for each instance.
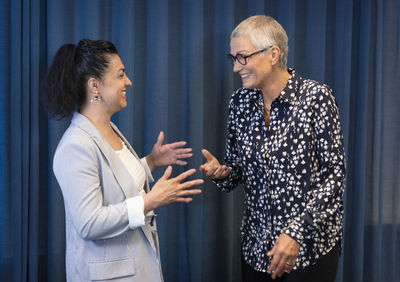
(285, 146)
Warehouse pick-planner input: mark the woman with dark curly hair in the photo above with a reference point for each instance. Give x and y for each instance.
(110, 224)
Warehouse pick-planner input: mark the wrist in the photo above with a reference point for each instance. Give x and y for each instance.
(149, 203)
(150, 162)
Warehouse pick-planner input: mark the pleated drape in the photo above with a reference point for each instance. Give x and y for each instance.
(175, 54)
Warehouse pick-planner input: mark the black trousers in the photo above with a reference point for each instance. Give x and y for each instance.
(323, 271)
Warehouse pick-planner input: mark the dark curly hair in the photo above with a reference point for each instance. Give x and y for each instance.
(72, 66)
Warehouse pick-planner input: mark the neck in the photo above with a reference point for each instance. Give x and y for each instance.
(275, 84)
(100, 119)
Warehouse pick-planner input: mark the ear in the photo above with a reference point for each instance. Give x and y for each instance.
(275, 54)
(93, 85)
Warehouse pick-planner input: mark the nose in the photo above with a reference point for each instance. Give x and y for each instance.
(128, 82)
(236, 66)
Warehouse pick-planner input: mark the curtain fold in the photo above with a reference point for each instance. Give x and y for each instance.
(5, 186)
(175, 54)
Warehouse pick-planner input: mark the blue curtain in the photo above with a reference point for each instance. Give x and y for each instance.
(174, 52)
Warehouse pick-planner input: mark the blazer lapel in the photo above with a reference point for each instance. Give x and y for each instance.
(147, 230)
(124, 139)
(149, 177)
(119, 170)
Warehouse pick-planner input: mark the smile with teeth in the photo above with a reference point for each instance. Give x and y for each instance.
(245, 75)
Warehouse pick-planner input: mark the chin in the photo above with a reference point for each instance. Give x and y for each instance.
(248, 84)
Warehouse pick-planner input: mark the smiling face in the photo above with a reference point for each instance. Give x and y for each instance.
(112, 86)
(256, 72)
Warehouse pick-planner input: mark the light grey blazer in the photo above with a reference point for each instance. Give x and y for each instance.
(95, 184)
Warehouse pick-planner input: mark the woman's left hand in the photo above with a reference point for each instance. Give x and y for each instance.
(283, 254)
(168, 154)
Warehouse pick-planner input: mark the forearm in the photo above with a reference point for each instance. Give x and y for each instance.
(150, 162)
(150, 202)
(325, 201)
(105, 222)
(148, 169)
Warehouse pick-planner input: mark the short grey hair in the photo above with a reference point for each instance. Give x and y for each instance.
(263, 32)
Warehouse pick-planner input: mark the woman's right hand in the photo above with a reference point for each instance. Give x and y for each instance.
(212, 168)
(169, 190)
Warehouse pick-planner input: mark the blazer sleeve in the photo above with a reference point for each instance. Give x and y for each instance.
(76, 167)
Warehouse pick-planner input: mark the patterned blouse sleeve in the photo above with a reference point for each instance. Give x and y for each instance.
(232, 154)
(326, 196)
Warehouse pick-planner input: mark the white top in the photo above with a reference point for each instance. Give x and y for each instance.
(135, 167)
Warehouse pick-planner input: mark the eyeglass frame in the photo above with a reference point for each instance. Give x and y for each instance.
(233, 59)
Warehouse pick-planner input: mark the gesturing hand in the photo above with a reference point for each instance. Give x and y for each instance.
(168, 154)
(284, 254)
(212, 168)
(168, 190)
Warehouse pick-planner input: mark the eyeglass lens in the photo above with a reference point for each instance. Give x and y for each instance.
(239, 57)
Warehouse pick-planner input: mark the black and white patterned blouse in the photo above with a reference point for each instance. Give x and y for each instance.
(293, 174)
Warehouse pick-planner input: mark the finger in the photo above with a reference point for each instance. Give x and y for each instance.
(273, 264)
(272, 251)
(205, 167)
(289, 266)
(290, 262)
(160, 138)
(220, 171)
(183, 151)
(271, 268)
(184, 156)
(167, 172)
(217, 173)
(179, 162)
(185, 174)
(208, 169)
(280, 270)
(226, 172)
(178, 144)
(191, 183)
(209, 157)
(183, 200)
(190, 192)
(211, 171)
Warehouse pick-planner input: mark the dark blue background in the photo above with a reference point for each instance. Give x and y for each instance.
(175, 54)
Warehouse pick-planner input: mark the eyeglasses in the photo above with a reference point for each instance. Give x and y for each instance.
(242, 59)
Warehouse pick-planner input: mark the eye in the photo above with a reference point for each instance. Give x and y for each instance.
(121, 73)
